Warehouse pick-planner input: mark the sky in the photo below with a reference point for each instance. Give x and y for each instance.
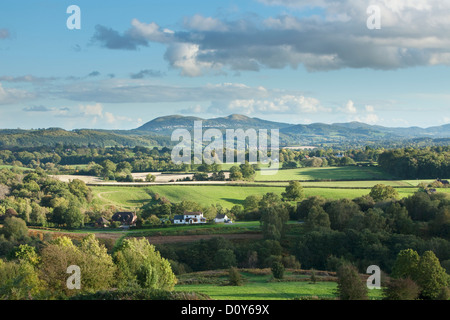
(381, 62)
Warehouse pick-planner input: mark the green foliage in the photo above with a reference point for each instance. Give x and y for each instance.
(278, 270)
(97, 268)
(235, 277)
(406, 264)
(293, 192)
(274, 216)
(401, 289)
(416, 163)
(14, 228)
(350, 285)
(431, 277)
(224, 258)
(138, 262)
(382, 192)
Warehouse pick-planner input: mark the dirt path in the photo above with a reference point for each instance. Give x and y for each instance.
(193, 238)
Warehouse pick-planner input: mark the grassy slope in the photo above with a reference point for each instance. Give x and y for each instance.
(227, 196)
(328, 173)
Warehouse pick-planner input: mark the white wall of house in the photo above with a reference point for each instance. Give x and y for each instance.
(225, 219)
(191, 219)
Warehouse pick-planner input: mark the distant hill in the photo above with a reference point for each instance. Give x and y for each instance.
(353, 133)
(157, 132)
(166, 125)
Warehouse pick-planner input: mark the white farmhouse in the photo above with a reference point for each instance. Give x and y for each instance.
(190, 218)
(222, 218)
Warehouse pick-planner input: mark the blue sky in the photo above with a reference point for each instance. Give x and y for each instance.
(287, 60)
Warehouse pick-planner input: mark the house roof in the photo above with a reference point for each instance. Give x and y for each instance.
(193, 213)
(178, 217)
(102, 220)
(221, 216)
(124, 217)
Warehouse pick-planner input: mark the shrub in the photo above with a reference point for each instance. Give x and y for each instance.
(278, 270)
(401, 289)
(235, 277)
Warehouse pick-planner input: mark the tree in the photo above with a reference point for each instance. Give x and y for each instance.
(235, 277)
(150, 178)
(350, 286)
(73, 217)
(14, 228)
(277, 270)
(96, 265)
(273, 220)
(224, 258)
(317, 218)
(431, 277)
(79, 189)
(382, 192)
(341, 213)
(138, 262)
(406, 264)
(19, 280)
(293, 192)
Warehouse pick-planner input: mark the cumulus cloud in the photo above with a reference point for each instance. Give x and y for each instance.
(349, 108)
(414, 33)
(92, 110)
(13, 96)
(284, 104)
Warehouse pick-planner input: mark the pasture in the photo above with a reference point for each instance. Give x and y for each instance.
(326, 174)
(128, 197)
(260, 285)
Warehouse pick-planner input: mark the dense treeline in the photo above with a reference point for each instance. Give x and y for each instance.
(39, 268)
(409, 163)
(63, 158)
(56, 136)
(40, 200)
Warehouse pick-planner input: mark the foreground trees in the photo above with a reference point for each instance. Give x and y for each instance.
(43, 274)
(420, 275)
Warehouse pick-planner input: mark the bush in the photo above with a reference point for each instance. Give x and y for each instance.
(278, 270)
(235, 277)
(401, 289)
(350, 285)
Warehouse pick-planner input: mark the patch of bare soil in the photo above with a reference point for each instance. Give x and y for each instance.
(193, 238)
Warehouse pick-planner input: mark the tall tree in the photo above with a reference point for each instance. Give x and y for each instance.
(350, 285)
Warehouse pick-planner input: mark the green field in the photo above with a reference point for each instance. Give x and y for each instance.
(14, 167)
(225, 195)
(263, 287)
(327, 173)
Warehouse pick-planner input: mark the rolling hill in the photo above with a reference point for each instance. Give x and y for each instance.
(157, 132)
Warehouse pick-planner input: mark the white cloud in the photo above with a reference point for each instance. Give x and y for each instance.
(92, 110)
(349, 108)
(284, 104)
(369, 118)
(200, 23)
(14, 96)
(184, 56)
(414, 33)
(150, 31)
(370, 109)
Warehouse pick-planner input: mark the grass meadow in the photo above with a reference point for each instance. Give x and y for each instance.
(225, 195)
(262, 286)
